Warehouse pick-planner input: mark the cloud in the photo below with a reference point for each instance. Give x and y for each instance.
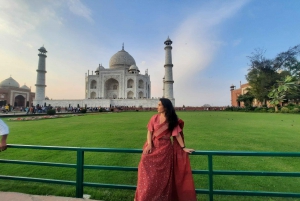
(24, 27)
(27, 25)
(79, 9)
(20, 22)
(196, 42)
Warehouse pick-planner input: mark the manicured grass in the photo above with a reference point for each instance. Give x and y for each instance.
(228, 131)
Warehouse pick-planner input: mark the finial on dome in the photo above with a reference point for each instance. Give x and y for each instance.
(123, 46)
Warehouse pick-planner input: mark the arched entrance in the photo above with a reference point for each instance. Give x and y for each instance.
(111, 89)
(20, 101)
(141, 95)
(141, 84)
(130, 95)
(93, 84)
(93, 95)
(130, 83)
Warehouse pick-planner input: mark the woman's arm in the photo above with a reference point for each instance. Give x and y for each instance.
(180, 142)
(148, 148)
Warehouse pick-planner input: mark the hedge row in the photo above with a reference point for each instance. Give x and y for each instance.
(290, 108)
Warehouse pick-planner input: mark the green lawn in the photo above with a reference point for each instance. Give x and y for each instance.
(230, 131)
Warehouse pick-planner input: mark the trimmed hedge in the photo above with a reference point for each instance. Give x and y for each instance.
(51, 112)
(291, 108)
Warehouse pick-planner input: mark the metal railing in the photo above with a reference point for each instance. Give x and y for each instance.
(80, 167)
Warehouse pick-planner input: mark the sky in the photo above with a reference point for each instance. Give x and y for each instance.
(211, 41)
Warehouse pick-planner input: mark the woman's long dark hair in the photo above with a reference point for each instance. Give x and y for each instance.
(170, 113)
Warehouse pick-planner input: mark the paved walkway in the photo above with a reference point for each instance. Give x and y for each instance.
(9, 196)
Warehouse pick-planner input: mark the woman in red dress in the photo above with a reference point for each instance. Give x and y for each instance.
(164, 172)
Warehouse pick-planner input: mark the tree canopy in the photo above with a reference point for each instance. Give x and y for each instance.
(263, 74)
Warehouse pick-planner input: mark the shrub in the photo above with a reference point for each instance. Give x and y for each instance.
(291, 106)
(258, 109)
(51, 112)
(295, 110)
(228, 108)
(235, 108)
(249, 108)
(101, 110)
(271, 110)
(284, 110)
(264, 110)
(83, 110)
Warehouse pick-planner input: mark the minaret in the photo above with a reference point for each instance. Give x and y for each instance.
(41, 78)
(168, 86)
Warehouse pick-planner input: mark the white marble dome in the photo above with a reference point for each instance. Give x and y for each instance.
(121, 59)
(9, 82)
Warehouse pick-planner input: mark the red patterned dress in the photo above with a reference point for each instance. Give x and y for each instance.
(156, 174)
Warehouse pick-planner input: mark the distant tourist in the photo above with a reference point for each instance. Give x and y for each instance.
(164, 172)
(6, 108)
(4, 130)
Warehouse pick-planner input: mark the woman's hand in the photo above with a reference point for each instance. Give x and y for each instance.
(187, 150)
(147, 149)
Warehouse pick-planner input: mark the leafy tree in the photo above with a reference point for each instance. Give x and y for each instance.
(288, 61)
(246, 98)
(261, 76)
(263, 73)
(281, 89)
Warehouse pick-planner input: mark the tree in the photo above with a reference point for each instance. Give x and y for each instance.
(288, 61)
(246, 98)
(263, 73)
(281, 89)
(261, 76)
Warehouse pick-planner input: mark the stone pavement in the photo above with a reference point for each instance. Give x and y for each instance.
(10, 196)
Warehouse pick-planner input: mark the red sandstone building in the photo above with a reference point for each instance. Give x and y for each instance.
(240, 91)
(236, 92)
(11, 93)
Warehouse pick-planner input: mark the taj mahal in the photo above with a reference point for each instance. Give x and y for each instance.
(121, 80)
(122, 84)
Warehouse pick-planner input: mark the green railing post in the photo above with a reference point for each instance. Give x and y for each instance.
(210, 177)
(79, 173)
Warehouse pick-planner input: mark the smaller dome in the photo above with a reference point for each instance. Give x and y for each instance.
(42, 49)
(9, 82)
(100, 67)
(168, 41)
(133, 67)
(25, 87)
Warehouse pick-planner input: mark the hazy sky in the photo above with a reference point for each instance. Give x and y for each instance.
(211, 41)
